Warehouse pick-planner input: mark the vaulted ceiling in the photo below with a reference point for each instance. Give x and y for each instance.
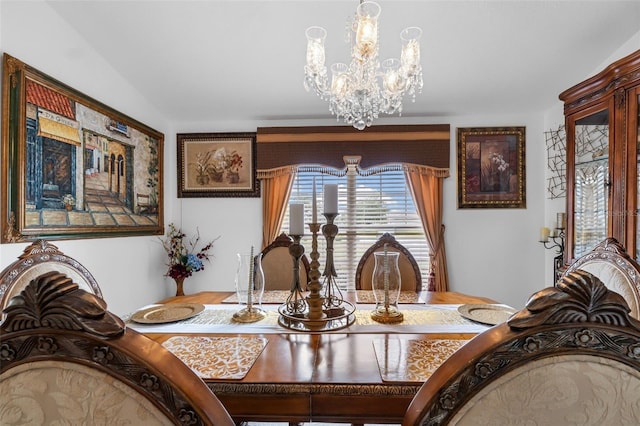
(243, 60)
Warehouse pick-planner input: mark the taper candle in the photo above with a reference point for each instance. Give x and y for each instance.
(296, 219)
(331, 198)
(314, 204)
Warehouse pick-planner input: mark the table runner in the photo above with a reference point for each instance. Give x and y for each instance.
(362, 297)
(436, 318)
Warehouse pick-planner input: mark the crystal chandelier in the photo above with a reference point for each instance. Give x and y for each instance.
(355, 92)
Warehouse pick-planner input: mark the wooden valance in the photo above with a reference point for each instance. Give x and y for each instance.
(426, 145)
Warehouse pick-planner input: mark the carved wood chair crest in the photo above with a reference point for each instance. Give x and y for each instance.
(580, 316)
(52, 322)
(39, 257)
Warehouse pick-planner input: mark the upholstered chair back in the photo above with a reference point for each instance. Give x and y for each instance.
(570, 357)
(65, 359)
(410, 277)
(610, 262)
(277, 264)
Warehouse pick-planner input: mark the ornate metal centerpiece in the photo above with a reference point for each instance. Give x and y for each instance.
(324, 308)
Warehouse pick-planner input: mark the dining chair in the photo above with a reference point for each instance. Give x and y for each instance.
(570, 357)
(67, 360)
(39, 257)
(277, 265)
(610, 262)
(411, 279)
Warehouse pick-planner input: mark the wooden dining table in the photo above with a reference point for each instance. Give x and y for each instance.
(321, 376)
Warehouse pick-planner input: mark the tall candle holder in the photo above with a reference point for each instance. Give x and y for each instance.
(323, 312)
(296, 304)
(386, 287)
(557, 242)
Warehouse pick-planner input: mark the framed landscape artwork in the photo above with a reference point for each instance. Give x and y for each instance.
(73, 167)
(217, 165)
(491, 167)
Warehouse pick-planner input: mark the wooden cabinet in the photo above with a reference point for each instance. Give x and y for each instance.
(602, 127)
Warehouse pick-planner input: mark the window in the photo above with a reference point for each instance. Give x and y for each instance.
(368, 207)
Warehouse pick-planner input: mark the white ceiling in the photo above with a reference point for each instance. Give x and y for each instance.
(243, 60)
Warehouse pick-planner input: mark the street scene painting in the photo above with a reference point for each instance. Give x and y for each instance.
(73, 167)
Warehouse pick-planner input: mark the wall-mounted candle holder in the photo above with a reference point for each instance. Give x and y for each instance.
(555, 240)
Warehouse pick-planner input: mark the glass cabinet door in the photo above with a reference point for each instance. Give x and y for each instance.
(634, 134)
(591, 181)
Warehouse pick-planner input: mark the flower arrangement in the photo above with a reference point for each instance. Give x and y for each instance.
(68, 200)
(232, 162)
(184, 260)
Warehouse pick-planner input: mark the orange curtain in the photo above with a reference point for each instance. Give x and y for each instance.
(426, 184)
(276, 188)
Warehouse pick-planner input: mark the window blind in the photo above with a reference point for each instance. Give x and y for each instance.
(368, 207)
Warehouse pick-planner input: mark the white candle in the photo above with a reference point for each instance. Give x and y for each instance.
(544, 234)
(561, 220)
(331, 198)
(314, 205)
(296, 219)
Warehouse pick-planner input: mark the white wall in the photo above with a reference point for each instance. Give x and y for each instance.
(491, 252)
(129, 270)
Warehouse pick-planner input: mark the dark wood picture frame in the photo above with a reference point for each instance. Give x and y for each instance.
(73, 167)
(491, 167)
(217, 165)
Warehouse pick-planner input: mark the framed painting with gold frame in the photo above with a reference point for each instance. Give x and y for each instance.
(73, 167)
(217, 165)
(491, 167)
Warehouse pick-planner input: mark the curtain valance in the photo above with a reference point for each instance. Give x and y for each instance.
(425, 145)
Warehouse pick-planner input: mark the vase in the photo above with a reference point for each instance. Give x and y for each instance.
(179, 286)
(386, 285)
(250, 288)
(233, 177)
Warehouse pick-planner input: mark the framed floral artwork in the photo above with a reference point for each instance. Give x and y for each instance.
(491, 167)
(217, 165)
(73, 167)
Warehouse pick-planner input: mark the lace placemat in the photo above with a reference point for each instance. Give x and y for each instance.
(217, 357)
(269, 297)
(403, 360)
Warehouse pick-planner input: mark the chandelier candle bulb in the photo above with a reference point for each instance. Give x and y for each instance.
(296, 219)
(331, 198)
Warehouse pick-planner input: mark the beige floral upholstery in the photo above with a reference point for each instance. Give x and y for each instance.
(610, 262)
(562, 390)
(570, 357)
(66, 360)
(45, 392)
